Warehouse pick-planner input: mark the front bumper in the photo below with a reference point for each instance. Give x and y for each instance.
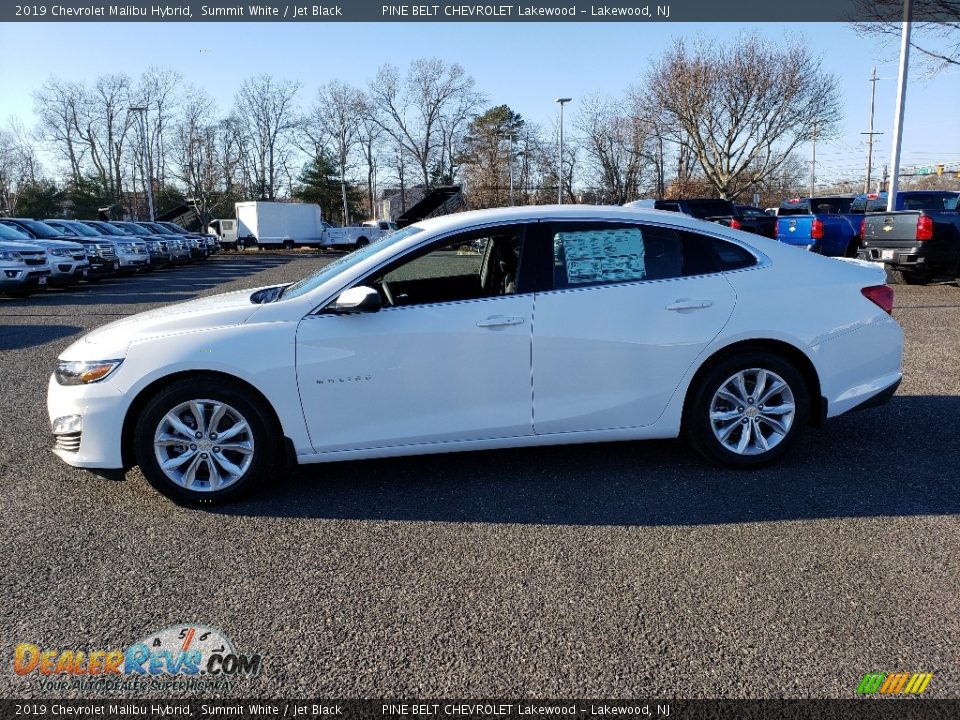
(23, 278)
(64, 271)
(101, 408)
(131, 262)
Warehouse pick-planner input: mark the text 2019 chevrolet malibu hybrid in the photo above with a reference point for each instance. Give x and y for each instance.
(485, 330)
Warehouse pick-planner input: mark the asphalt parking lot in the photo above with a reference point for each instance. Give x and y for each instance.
(627, 570)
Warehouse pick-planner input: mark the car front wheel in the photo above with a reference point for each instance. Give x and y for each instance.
(747, 410)
(205, 441)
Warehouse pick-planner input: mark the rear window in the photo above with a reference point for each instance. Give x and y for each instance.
(818, 206)
(929, 201)
(709, 208)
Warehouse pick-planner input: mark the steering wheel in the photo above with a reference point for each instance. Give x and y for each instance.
(387, 292)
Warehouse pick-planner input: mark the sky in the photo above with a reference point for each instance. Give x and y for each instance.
(524, 65)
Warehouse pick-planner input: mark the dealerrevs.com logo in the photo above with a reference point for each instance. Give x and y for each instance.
(186, 657)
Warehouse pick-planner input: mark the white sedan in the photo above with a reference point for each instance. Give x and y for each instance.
(486, 330)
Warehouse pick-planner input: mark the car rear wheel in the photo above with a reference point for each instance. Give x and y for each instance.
(747, 410)
(205, 441)
(362, 242)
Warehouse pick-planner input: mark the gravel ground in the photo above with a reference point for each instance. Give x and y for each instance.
(627, 570)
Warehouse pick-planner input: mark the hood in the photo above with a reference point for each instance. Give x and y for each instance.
(49, 243)
(11, 246)
(205, 313)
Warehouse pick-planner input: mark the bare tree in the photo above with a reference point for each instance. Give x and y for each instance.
(617, 146)
(19, 164)
(936, 36)
(265, 108)
(415, 108)
(741, 109)
(58, 105)
(370, 132)
(337, 110)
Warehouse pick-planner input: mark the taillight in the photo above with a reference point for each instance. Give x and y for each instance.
(816, 229)
(881, 296)
(863, 228)
(735, 224)
(924, 227)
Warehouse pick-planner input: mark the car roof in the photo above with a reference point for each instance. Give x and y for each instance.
(561, 212)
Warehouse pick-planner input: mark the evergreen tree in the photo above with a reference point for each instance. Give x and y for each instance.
(40, 199)
(320, 183)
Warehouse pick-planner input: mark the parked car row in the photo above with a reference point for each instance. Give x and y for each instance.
(919, 240)
(37, 253)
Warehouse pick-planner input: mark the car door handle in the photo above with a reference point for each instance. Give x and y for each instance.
(491, 322)
(687, 304)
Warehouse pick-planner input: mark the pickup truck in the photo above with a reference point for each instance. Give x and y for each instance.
(827, 225)
(918, 242)
(724, 212)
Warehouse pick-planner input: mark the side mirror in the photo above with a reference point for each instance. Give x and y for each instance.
(360, 299)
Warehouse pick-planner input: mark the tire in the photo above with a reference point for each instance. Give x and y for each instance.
(903, 277)
(362, 242)
(288, 245)
(716, 427)
(252, 459)
(853, 248)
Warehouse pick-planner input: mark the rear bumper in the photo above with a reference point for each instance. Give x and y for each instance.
(881, 398)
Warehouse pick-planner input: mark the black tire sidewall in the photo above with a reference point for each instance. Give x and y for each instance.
(697, 420)
(265, 437)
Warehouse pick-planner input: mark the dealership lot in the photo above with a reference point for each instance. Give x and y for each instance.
(589, 571)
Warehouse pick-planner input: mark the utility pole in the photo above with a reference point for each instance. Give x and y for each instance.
(870, 133)
(403, 191)
(562, 101)
(510, 164)
(813, 162)
(901, 99)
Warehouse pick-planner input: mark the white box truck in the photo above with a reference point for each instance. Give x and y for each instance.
(290, 225)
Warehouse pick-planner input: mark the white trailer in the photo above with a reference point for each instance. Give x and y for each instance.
(290, 225)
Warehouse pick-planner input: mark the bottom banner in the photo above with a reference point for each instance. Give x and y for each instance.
(408, 709)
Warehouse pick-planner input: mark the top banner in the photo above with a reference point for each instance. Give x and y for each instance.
(527, 11)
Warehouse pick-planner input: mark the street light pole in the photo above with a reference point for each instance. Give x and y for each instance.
(562, 101)
(141, 110)
(901, 98)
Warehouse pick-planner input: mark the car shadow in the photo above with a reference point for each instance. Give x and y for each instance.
(900, 459)
(20, 337)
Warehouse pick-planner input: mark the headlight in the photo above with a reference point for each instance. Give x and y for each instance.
(91, 250)
(10, 256)
(81, 372)
(59, 252)
(125, 247)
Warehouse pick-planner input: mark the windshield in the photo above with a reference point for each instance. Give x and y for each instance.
(175, 228)
(42, 230)
(311, 282)
(134, 229)
(155, 228)
(12, 234)
(106, 227)
(80, 229)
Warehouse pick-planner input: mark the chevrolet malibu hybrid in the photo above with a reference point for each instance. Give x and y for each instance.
(486, 330)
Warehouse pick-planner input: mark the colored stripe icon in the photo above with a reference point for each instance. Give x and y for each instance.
(894, 683)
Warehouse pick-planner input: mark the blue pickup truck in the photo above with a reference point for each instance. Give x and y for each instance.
(829, 225)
